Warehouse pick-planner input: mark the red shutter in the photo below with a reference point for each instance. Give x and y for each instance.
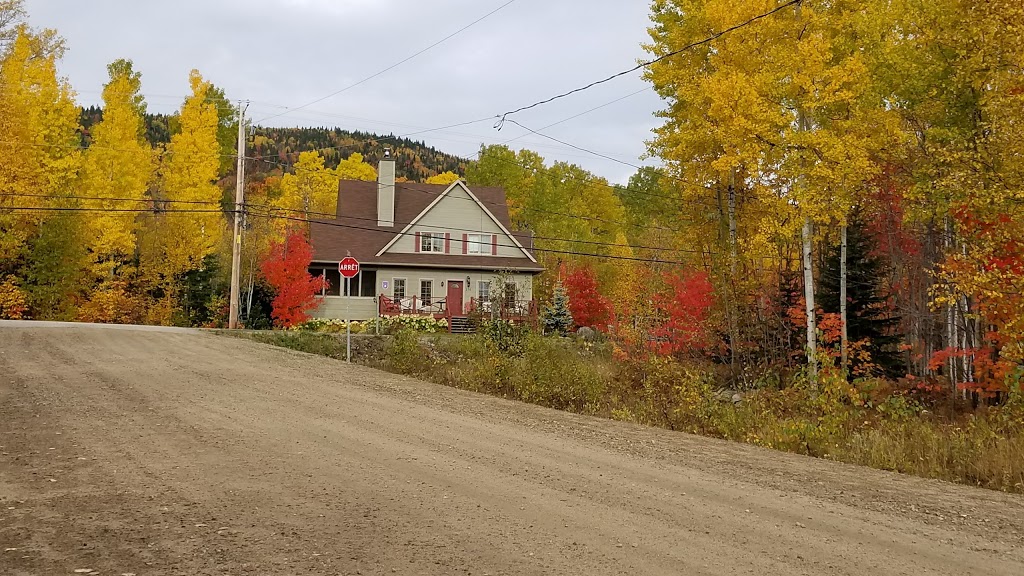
(465, 243)
(447, 243)
(417, 239)
(494, 244)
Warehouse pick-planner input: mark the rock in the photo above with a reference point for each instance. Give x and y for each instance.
(737, 398)
(587, 334)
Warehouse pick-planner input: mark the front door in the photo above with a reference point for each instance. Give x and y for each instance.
(454, 300)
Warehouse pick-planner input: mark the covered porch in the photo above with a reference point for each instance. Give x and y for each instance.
(461, 316)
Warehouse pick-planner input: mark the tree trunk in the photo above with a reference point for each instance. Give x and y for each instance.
(845, 341)
(733, 305)
(812, 333)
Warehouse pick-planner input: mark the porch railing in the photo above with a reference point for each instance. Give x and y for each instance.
(414, 306)
(518, 310)
(512, 310)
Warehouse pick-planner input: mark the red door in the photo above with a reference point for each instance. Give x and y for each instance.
(455, 294)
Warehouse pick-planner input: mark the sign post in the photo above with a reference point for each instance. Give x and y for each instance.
(349, 268)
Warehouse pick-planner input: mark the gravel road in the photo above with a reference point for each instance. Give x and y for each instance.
(174, 452)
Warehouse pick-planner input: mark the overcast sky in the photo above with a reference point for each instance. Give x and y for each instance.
(286, 53)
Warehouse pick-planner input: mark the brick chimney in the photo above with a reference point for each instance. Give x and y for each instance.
(386, 191)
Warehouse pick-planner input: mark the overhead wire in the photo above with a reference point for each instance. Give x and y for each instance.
(644, 64)
(535, 249)
(395, 65)
(402, 224)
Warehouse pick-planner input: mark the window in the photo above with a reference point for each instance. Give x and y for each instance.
(398, 289)
(478, 243)
(431, 242)
(426, 291)
(367, 283)
(333, 282)
(483, 291)
(510, 294)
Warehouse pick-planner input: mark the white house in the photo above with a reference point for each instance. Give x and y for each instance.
(423, 249)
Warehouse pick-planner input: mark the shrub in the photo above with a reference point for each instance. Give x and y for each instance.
(505, 336)
(405, 355)
(12, 300)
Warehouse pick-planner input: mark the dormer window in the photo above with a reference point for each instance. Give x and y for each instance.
(431, 242)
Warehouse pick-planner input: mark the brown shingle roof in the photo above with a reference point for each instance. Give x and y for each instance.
(355, 232)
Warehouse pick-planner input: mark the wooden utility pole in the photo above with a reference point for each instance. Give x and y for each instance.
(236, 238)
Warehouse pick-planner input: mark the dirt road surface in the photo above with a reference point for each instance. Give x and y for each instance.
(151, 452)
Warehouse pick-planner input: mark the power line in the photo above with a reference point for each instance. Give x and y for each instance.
(585, 112)
(402, 224)
(395, 65)
(535, 249)
(128, 210)
(103, 198)
(580, 148)
(645, 64)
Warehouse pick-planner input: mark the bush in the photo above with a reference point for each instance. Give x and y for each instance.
(405, 355)
(505, 336)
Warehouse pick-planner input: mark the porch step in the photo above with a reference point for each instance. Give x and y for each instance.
(461, 325)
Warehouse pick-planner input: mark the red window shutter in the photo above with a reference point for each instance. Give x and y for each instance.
(494, 244)
(447, 243)
(417, 239)
(465, 243)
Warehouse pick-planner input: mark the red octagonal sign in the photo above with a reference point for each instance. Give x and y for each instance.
(348, 267)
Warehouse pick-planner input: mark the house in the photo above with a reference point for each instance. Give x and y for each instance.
(442, 251)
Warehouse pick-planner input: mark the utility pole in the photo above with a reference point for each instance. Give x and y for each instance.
(236, 238)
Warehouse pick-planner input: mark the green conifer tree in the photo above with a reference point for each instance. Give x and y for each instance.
(871, 321)
(556, 316)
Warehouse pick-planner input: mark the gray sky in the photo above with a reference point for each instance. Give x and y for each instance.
(285, 53)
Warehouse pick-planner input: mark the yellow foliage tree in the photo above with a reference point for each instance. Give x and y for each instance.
(444, 178)
(189, 170)
(117, 167)
(770, 130)
(353, 168)
(311, 190)
(38, 141)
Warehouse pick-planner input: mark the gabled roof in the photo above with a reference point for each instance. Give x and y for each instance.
(355, 232)
(458, 184)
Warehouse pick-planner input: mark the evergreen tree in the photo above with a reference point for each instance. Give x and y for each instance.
(871, 322)
(556, 316)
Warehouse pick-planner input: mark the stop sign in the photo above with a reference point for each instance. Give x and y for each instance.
(348, 267)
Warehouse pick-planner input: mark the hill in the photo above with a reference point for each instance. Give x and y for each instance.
(278, 148)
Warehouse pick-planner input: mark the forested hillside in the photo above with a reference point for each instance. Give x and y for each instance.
(279, 148)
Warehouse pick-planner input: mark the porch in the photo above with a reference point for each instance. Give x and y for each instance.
(461, 319)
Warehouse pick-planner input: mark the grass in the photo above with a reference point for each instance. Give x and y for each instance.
(829, 420)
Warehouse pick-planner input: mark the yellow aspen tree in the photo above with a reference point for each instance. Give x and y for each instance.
(354, 168)
(786, 104)
(312, 189)
(189, 172)
(443, 178)
(39, 154)
(117, 167)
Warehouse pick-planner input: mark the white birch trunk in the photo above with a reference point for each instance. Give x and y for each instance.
(812, 333)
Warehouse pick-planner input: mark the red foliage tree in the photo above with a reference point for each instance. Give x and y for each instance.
(588, 306)
(286, 269)
(684, 308)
